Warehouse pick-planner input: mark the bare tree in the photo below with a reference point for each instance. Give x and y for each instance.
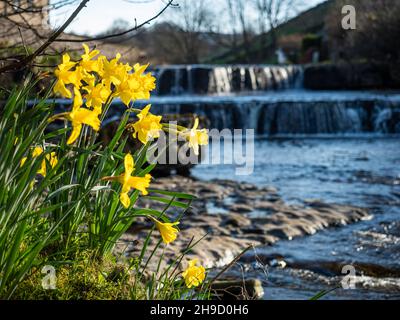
(375, 39)
(184, 32)
(272, 13)
(26, 34)
(237, 12)
(248, 18)
(25, 22)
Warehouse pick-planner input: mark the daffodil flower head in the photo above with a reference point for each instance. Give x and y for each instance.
(87, 62)
(167, 230)
(113, 72)
(148, 126)
(145, 82)
(64, 76)
(196, 137)
(127, 89)
(37, 151)
(194, 275)
(130, 182)
(96, 95)
(148, 82)
(52, 159)
(79, 117)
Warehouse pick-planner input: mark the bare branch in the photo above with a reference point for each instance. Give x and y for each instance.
(122, 33)
(30, 58)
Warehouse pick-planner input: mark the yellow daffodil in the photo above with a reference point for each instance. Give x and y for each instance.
(96, 95)
(135, 85)
(147, 81)
(78, 101)
(64, 76)
(167, 230)
(79, 117)
(194, 275)
(51, 158)
(87, 63)
(148, 126)
(126, 90)
(37, 151)
(128, 182)
(113, 72)
(196, 137)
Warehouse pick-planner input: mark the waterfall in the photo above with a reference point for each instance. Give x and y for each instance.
(190, 80)
(208, 79)
(286, 115)
(280, 114)
(270, 109)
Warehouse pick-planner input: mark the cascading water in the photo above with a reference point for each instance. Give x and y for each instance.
(271, 100)
(206, 79)
(287, 114)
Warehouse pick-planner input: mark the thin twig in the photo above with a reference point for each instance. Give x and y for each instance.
(136, 27)
(28, 59)
(227, 267)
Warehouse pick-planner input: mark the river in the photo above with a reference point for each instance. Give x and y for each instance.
(362, 171)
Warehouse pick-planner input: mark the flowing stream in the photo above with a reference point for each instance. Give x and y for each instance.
(362, 171)
(340, 147)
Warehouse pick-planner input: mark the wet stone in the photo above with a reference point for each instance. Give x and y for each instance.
(228, 232)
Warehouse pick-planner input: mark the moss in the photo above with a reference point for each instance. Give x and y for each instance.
(87, 279)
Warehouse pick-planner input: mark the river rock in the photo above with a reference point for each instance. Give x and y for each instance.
(250, 289)
(224, 234)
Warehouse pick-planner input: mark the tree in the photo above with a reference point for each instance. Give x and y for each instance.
(375, 38)
(241, 26)
(26, 18)
(247, 19)
(272, 13)
(183, 34)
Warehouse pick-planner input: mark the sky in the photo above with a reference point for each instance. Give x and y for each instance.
(99, 15)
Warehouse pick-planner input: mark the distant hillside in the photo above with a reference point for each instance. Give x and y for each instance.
(165, 43)
(311, 21)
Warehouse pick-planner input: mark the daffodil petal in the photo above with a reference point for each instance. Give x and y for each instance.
(129, 164)
(76, 130)
(125, 200)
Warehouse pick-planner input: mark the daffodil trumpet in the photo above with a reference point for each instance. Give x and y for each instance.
(195, 137)
(148, 126)
(168, 230)
(130, 182)
(194, 275)
(79, 117)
